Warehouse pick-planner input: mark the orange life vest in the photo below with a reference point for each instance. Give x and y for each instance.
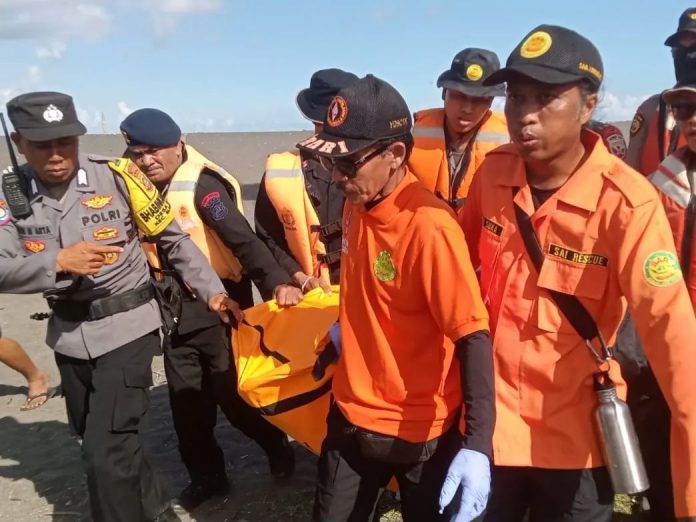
(429, 162)
(285, 186)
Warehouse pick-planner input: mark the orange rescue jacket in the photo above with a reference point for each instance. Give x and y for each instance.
(606, 240)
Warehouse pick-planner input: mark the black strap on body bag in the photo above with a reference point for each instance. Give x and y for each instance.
(570, 305)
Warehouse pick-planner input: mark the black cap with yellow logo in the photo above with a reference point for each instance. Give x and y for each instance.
(687, 24)
(470, 68)
(552, 54)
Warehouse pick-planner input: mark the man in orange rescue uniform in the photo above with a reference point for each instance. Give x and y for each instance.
(674, 179)
(416, 352)
(451, 142)
(603, 237)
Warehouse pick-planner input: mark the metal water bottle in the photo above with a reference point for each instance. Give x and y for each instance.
(618, 439)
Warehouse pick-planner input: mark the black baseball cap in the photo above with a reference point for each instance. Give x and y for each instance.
(323, 86)
(470, 67)
(151, 127)
(687, 24)
(366, 112)
(44, 116)
(555, 55)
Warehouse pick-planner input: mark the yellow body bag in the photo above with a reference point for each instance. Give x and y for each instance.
(151, 212)
(275, 350)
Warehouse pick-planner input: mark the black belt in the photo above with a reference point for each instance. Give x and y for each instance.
(78, 311)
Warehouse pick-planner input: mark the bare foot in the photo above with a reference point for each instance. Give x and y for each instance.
(37, 395)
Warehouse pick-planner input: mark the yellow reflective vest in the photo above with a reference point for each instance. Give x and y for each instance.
(181, 196)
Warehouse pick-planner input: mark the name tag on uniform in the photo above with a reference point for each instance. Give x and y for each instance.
(581, 258)
(492, 227)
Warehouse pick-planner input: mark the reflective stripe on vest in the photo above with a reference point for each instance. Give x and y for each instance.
(670, 179)
(286, 190)
(181, 195)
(428, 161)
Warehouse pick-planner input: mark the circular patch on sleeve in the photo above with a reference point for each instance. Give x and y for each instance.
(661, 268)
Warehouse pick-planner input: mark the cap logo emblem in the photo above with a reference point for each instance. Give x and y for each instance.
(536, 45)
(337, 112)
(474, 72)
(692, 16)
(52, 114)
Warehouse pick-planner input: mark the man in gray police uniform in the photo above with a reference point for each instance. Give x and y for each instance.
(79, 245)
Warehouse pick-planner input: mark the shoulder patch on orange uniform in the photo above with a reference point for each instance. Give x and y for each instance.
(661, 268)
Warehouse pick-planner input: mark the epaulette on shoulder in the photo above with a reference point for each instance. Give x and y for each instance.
(632, 184)
(98, 158)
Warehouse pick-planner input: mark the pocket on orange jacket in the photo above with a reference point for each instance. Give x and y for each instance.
(585, 282)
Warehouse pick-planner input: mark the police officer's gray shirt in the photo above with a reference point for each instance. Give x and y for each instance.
(95, 208)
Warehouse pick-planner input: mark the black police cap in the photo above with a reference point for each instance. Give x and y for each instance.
(366, 112)
(323, 86)
(151, 127)
(555, 55)
(687, 24)
(469, 69)
(44, 116)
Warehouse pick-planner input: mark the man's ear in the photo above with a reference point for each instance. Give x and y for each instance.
(398, 153)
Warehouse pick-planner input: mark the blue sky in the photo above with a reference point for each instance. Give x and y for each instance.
(228, 65)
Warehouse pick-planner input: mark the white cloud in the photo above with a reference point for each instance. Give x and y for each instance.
(123, 109)
(166, 13)
(614, 107)
(179, 7)
(53, 50)
(48, 20)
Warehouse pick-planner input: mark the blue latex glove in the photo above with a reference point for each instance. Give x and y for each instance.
(335, 336)
(471, 469)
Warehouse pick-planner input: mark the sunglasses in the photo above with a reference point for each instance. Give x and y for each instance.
(349, 167)
(683, 111)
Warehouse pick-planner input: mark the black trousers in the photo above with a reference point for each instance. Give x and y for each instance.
(201, 376)
(549, 495)
(348, 483)
(106, 399)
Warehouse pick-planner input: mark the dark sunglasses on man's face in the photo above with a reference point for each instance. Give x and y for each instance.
(347, 166)
(683, 111)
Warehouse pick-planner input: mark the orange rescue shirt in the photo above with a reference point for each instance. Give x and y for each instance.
(408, 291)
(606, 240)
